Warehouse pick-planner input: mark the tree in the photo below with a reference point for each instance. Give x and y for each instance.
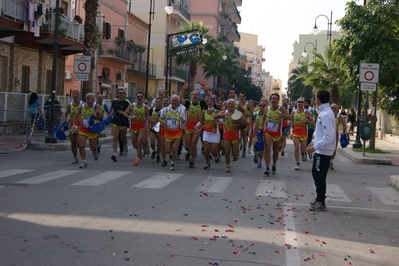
(326, 73)
(371, 35)
(297, 88)
(207, 52)
(90, 40)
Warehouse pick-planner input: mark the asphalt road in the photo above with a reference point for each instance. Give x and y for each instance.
(53, 213)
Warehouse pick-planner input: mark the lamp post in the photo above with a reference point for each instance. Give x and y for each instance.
(305, 54)
(358, 144)
(168, 10)
(50, 138)
(329, 27)
(299, 64)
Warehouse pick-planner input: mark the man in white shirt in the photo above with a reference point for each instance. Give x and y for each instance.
(323, 146)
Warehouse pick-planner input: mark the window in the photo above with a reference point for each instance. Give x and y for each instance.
(106, 30)
(25, 79)
(131, 91)
(121, 33)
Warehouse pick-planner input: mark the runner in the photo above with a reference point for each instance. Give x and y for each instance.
(311, 127)
(137, 113)
(85, 112)
(339, 120)
(231, 134)
(286, 127)
(211, 136)
(194, 109)
(69, 114)
(247, 111)
(165, 103)
(103, 108)
(257, 119)
(173, 118)
(300, 119)
(119, 122)
(154, 133)
(272, 123)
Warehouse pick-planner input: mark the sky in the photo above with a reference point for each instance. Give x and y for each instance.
(278, 24)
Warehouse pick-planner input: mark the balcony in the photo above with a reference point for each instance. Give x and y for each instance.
(180, 12)
(70, 32)
(180, 73)
(228, 28)
(140, 68)
(234, 13)
(118, 53)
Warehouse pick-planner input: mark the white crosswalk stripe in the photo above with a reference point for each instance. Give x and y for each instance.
(388, 196)
(158, 181)
(48, 177)
(214, 184)
(102, 179)
(271, 188)
(12, 172)
(334, 192)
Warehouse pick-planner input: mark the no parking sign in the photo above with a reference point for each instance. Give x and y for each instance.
(81, 67)
(369, 73)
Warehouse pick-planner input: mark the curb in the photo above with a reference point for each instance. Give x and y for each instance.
(394, 181)
(60, 146)
(363, 159)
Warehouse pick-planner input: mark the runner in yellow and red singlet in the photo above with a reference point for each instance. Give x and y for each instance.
(272, 123)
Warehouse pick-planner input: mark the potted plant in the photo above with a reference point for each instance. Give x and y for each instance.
(61, 11)
(111, 51)
(78, 19)
(130, 44)
(62, 32)
(119, 40)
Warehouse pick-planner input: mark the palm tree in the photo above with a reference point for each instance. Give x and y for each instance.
(326, 73)
(207, 52)
(223, 68)
(90, 40)
(297, 88)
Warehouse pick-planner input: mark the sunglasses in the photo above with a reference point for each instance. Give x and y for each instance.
(300, 102)
(121, 92)
(140, 97)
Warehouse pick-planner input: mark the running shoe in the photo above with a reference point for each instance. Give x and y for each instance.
(331, 166)
(256, 158)
(95, 155)
(191, 164)
(274, 170)
(153, 155)
(99, 148)
(113, 158)
(125, 150)
(304, 158)
(318, 207)
(228, 169)
(158, 159)
(172, 166)
(297, 166)
(164, 163)
(267, 172)
(83, 165)
(244, 151)
(75, 161)
(187, 156)
(259, 165)
(217, 159)
(207, 167)
(282, 153)
(136, 161)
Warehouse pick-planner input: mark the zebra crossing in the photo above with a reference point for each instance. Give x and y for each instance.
(211, 184)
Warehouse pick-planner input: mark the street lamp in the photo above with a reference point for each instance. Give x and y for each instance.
(329, 27)
(168, 10)
(50, 138)
(299, 64)
(305, 54)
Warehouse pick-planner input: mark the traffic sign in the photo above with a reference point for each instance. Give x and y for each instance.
(369, 73)
(82, 64)
(368, 86)
(82, 77)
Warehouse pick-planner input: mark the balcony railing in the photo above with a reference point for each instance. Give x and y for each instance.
(178, 6)
(67, 27)
(140, 67)
(118, 50)
(180, 73)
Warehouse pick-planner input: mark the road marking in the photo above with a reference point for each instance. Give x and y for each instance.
(14, 172)
(292, 257)
(334, 192)
(101, 179)
(214, 184)
(158, 181)
(271, 188)
(48, 177)
(388, 196)
(349, 208)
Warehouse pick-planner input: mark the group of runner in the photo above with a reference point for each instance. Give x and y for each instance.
(169, 123)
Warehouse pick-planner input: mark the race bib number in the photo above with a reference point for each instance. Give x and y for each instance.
(172, 123)
(272, 126)
(86, 122)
